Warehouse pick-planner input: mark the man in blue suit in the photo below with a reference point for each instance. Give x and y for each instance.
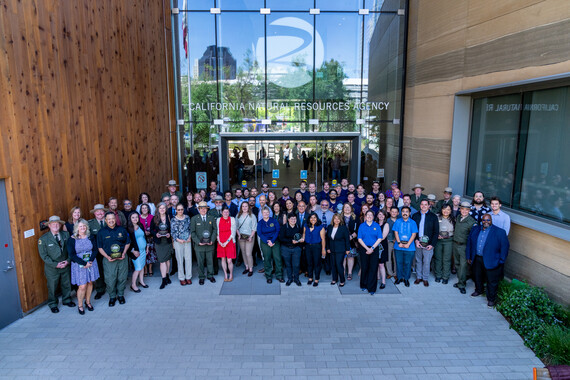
(487, 250)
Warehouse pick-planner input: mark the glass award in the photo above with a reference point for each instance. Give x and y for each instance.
(424, 241)
(297, 236)
(163, 229)
(116, 251)
(205, 238)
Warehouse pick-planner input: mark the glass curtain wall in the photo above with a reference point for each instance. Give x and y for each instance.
(298, 62)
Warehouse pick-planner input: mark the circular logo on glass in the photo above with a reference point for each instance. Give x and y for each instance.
(115, 248)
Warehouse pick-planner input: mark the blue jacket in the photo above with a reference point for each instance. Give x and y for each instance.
(496, 246)
(268, 230)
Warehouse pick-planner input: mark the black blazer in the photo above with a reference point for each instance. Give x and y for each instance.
(431, 226)
(352, 228)
(154, 230)
(341, 241)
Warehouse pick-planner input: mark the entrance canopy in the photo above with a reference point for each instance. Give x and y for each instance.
(283, 159)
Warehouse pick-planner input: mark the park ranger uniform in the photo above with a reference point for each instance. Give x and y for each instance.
(197, 227)
(114, 241)
(461, 232)
(52, 252)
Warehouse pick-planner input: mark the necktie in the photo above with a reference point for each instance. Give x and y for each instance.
(204, 218)
(324, 220)
(302, 217)
(102, 225)
(58, 240)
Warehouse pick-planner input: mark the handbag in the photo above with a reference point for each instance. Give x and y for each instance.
(243, 237)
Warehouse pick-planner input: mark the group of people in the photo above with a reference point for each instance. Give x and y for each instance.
(389, 235)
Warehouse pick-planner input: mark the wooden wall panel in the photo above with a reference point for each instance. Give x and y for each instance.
(85, 112)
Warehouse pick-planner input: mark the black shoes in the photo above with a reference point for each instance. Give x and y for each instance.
(144, 286)
(407, 283)
(456, 285)
(490, 304)
(309, 282)
(201, 282)
(164, 283)
(462, 290)
(444, 281)
(437, 279)
(298, 283)
(122, 300)
(249, 274)
(212, 279)
(136, 291)
(246, 271)
(89, 307)
(289, 282)
(54, 309)
(99, 295)
(281, 280)
(315, 284)
(398, 281)
(112, 302)
(70, 304)
(81, 310)
(382, 286)
(168, 280)
(476, 294)
(269, 281)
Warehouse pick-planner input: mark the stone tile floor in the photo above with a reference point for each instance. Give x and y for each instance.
(304, 333)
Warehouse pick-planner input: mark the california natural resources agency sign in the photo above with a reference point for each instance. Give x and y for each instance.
(301, 106)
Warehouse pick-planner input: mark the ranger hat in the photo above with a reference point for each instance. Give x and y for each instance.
(203, 204)
(171, 183)
(99, 206)
(55, 219)
(418, 186)
(465, 204)
(448, 190)
(218, 198)
(431, 197)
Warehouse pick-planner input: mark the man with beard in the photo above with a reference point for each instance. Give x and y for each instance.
(324, 194)
(408, 202)
(216, 211)
(479, 206)
(120, 218)
(333, 202)
(500, 218)
(284, 197)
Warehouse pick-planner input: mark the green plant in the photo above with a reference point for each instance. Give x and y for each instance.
(538, 320)
(557, 340)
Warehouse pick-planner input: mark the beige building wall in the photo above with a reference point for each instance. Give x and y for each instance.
(462, 45)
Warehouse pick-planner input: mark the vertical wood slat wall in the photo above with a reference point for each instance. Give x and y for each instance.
(84, 112)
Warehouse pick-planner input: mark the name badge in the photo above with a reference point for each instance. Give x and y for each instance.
(50, 245)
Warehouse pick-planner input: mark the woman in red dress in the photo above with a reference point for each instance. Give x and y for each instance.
(226, 243)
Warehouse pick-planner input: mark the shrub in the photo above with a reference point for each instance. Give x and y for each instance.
(557, 340)
(530, 312)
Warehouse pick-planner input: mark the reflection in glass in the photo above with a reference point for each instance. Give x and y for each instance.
(339, 5)
(254, 5)
(241, 73)
(492, 152)
(546, 174)
(293, 5)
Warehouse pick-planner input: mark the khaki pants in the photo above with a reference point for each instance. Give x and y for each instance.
(183, 252)
(391, 263)
(246, 248)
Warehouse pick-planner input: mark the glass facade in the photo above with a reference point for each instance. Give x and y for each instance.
(517, 151)
(338, 62)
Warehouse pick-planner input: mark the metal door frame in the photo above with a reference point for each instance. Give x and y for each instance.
(7, 266)
(227, 137)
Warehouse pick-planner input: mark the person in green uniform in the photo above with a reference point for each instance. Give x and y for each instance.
(95, 225)
(113, 242)
(463, 225)
(204, 234)
(52, 247)
(171, 190)
(417, 197)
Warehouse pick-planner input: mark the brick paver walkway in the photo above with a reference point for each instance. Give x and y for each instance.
(304, 333)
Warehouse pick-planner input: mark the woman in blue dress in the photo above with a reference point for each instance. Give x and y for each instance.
(137, 250)
(82, 250)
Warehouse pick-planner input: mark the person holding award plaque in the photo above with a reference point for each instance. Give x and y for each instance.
(180, 228)
(405, 231)
(82, 250)
(226, 247)
(426, 241)
(113, 242)
(246, 229)
(204, 232)
(160, 230)
(444, 248)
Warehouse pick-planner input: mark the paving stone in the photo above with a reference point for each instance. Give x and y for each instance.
(312, 333)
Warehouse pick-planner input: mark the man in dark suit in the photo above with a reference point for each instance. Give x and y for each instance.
(426, 239)
(487, 250)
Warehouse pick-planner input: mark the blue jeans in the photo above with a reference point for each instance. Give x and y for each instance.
(404, 263)
(292, 257)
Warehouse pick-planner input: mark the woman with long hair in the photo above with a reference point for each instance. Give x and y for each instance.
(381, 275)
(315, 240)
(226, 248)
(349, 219)
(278, 214)
(145, 218)
(74, 216)
(369, 237)
(338, 246)
(180, 230)
(444, 247)
(246, 229)
(144, 198)
(82, 250)
(137, 250)
(160, 230)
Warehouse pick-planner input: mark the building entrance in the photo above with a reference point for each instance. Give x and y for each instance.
(248, 160)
